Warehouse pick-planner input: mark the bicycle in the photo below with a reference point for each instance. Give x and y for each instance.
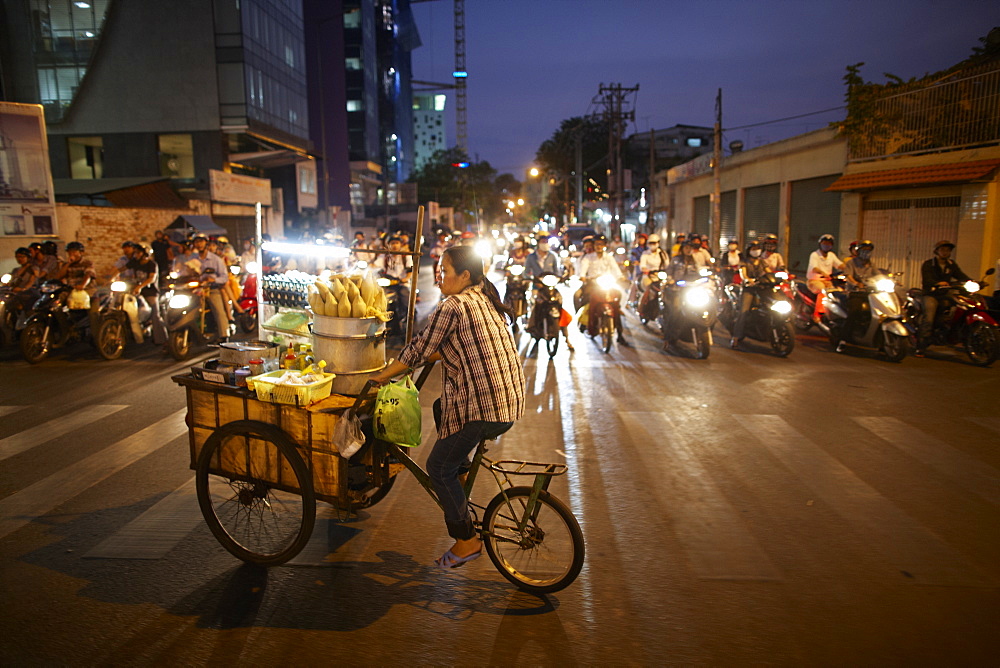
(257, 496)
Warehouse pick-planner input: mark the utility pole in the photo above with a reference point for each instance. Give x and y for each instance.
(715, 225)
(613, 97)
(650, 198)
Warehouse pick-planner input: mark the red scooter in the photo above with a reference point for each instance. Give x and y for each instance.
(805, 303)
(248, 302)
(966, 322)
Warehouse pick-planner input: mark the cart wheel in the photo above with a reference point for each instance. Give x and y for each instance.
(244, 475)
(547, 554)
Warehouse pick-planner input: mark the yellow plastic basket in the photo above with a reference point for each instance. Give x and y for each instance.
(294, 395)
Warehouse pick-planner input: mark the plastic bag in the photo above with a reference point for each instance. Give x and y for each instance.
(347, 435)
(397, 413)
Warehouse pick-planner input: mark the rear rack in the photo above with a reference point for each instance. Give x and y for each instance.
(527, 468)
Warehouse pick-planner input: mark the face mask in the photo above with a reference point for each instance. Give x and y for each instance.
(653, 244)
(755, 252)
(543, 247)
(825, 247)
(733, 247)
(864, 254)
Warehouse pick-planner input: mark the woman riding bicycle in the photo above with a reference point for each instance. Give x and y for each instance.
(482, 386)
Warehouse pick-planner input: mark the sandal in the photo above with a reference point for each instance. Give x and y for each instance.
(450, 560)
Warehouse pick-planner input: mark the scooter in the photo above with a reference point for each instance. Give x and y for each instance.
(805, 303)
(124, 317)
(189, 319)
(546, 312)
(52, 323)
(649, 303)
(248, 302)
(966, 323)
(12, 315)
(770, 316)
(515, 297)
(603, 310)
(873, 318)
(699, 309)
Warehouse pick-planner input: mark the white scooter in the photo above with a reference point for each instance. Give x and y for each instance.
(872, 318)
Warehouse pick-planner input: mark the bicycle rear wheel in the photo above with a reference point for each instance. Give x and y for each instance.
(547, 555)
(245, 477)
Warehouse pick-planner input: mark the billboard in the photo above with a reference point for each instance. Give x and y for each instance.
(27, 199)
(238, 189)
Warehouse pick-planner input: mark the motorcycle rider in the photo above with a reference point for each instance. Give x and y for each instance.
(24, 279)
(398, 267)
(653, 259)
(730, 263)
(542, 261)
(121, 264)
(752, 269)
(47, 266)
(519, 252)
(701, 255)
(823, 262)
(774, 260)
(679, 242)
(858, 270)
(144, 272)
(682, 268)
(212, 271)
(597, 264)
(938, 274)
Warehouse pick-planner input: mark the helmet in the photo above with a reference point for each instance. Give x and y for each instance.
(771, 242)
(50, 247)
(653, 239)
(865, 248)
(222, 239)
(589, 237)
(468, 235)
(74, 245)
(394, 237)
(22, 251)
(642, 235)
(38, 247)
(865, 243)
(600, 237)
(199, 237)
(129, 244)
(694, 242)
(944, 242)
(754, 244)
(681, 236)
(826, 237)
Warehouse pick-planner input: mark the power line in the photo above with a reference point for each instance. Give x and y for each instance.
(787, 118)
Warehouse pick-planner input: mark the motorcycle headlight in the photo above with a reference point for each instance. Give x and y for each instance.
(550, 280)
(886, 285)
(192, 284)
(383, 282)
(620, 251)
(172, 274)
(781, 307)
(662, 275)
(5, 279)
(179, 301)
(118, 286)
(253, 268)
(484, 250)
(697, 297)
(235, 270)
(971, 286)
(781, 275)
(606, 281)
(704, 271)
(564, 253)
(516, 269)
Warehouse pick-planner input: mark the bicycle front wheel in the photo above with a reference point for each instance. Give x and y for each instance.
(544, 557)
(255, 492)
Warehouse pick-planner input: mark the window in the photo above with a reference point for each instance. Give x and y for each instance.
(352, 63)
(307, 180)
(354, 105)
(694, 141)
(352, 19)
(86, 157)
(176, 156)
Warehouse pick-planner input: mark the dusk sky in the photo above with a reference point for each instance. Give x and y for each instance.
(533, 63)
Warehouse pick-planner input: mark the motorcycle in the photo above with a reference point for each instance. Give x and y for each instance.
(12, 315)
(872, 319)
(699, 308)
(395, 305)
(52, 323)
(515, 297)
(124, 316)
(248, 302)
(189, 318)
(805, 303)
(967, 322)
(769, 317)
(649, 303)
(546, 311)
(603, 310)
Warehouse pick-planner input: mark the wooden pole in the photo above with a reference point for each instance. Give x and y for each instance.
(411, 308)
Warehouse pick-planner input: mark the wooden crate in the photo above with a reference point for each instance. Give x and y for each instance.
(211, 406)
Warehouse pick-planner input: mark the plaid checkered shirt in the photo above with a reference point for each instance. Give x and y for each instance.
(482, 377)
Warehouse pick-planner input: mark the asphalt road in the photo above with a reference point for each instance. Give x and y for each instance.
(823, 509)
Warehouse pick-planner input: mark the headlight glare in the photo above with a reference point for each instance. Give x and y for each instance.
(179, 301)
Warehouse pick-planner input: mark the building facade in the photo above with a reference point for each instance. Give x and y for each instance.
(429, 127)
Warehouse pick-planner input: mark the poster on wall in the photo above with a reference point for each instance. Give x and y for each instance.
(27, 200)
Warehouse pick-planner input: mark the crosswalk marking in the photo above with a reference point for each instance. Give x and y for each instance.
(27, 505)
(155, 532)
(967, 472)
(715, 537)
(910, 546)
(64, 424)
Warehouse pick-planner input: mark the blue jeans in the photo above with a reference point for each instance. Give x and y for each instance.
(447, 460)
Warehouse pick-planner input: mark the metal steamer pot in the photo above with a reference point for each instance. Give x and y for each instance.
(354, 348)
(239, 353)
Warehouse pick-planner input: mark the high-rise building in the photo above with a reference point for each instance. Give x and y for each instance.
(429, 127)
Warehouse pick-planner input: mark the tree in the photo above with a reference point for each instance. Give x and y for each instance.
(557, 156)
(469, 189)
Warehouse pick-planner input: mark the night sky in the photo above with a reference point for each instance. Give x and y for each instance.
(533, 63)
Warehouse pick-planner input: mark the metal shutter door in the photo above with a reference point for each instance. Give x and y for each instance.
(702, 211)
(728, 229)
(760, 210)
(811, 214)
(905, 230)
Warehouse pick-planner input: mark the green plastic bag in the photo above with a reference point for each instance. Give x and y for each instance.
(397, 413)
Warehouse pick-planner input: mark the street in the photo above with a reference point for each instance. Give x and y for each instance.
(824, 509)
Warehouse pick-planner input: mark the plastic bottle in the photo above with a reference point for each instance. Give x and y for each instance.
(291, 359)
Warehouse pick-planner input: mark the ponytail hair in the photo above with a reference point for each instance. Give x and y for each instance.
(465, 258)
